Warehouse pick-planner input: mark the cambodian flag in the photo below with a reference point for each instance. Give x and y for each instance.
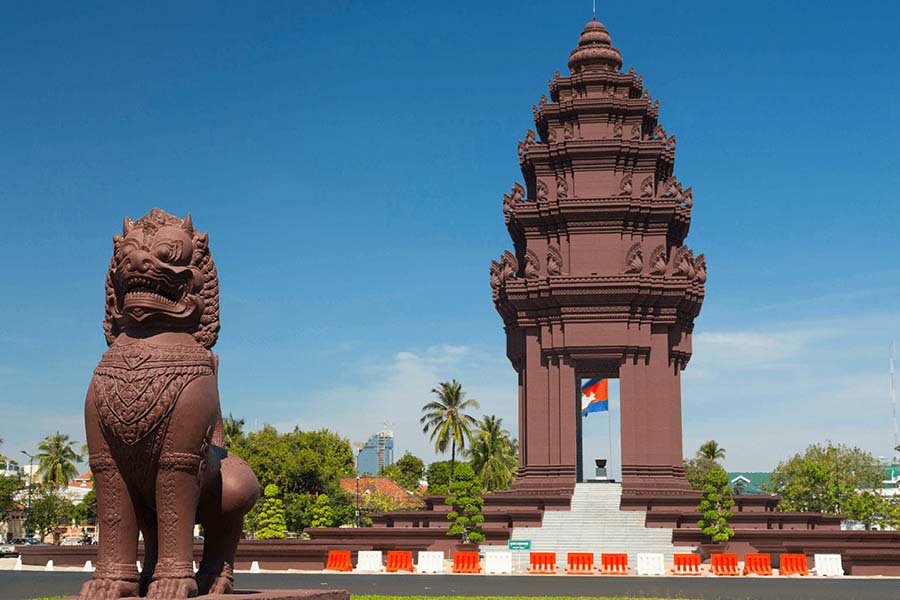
(594, 396)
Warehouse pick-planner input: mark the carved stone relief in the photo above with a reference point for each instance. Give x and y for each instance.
(658, 262)
(634, 259)
(531, 264)
(554, 261)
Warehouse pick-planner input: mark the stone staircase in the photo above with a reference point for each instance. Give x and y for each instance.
(595, 524)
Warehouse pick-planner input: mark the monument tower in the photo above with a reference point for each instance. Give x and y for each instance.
(600, 282)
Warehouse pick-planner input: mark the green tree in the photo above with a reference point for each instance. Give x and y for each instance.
(322, 514)
(465, 503)
(438, 477)
(297, 511)
(56, 460)
(406, 472)
(85, 512)
(827, 479)
(9, 487)
(715, 506)
(696, 471)
(298, 462)
(49, 510)
(711, 450)
(493, 454)
(233, 430)
(874, 510)
(270, 520)
(447, 420)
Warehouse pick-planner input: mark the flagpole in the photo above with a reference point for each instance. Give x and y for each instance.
(609, 432)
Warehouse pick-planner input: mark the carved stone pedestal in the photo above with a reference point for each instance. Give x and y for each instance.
(274, 595)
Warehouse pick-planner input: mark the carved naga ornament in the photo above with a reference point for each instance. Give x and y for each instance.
(531, 264)
(154, 423)
(554, 261)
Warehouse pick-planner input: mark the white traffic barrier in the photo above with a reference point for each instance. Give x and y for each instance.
(430, 562)
(498, 562)
(49, 565)
(88, 567)
(18, 565)
(651, 564)
(369, 561)
(828, 565)
(254, 566)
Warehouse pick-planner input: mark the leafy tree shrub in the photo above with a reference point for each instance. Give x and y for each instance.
(465, 503)
(297, 462)
(406, 472)
(9, 487)
(270, 519)
(715, 505)
(696, 470)
(493, 454)
(322, 514)
(85, 512)
(49, 510)
(833, 479)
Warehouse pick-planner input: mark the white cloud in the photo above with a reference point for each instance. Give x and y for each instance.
(771, 391)
(394, 392)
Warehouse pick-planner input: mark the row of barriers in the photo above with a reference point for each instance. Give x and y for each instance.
(498, 562)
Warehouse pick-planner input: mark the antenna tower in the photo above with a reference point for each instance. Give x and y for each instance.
(894, 407)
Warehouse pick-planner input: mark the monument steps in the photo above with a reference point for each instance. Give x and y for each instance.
(595, 523)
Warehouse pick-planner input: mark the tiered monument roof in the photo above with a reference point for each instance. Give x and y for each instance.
(600, 221)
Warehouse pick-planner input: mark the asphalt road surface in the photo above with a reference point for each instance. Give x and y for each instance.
(22, 585)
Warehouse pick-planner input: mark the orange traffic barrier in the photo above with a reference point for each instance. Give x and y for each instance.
(580, 563)
(338, 560)
(542, 563)
(399, 560)
(687, 564)
(793, 564)
(614, 564)
(724, 564)
(757, 564)
(466, 562)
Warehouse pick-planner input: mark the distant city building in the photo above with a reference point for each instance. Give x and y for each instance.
(377, 454)
(10, 468)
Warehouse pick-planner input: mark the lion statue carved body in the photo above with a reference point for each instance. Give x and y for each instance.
(154, 425)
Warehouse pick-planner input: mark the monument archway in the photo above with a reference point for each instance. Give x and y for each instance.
(599, 282)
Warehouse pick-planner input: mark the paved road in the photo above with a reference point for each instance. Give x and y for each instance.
(21, 585)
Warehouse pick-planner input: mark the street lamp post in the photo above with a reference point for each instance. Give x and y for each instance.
(359, 447)
(30, 483)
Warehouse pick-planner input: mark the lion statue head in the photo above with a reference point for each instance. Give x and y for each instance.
(162, 278)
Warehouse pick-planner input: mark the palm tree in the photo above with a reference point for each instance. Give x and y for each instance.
(493, 454)
(446, 419)
(56, 460)
(711, 450)
(233, 430)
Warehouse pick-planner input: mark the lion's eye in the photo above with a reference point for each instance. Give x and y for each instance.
(169, 251)
(124, 248)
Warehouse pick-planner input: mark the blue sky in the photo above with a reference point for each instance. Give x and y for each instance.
(349, 158)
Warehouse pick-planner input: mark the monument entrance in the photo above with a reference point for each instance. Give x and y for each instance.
(599, 283)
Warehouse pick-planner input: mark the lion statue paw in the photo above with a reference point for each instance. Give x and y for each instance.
(107, 589)
(175, 587)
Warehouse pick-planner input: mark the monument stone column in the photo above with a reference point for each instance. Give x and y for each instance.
(599, 282)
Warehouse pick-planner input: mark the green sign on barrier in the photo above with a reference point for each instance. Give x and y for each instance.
(519, 544)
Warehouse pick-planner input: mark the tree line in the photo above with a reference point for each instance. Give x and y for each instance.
(832, 479)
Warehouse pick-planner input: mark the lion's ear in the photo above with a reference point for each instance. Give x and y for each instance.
(127, 225)
(187, 224)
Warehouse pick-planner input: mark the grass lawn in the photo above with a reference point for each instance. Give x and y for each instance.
(355, 597)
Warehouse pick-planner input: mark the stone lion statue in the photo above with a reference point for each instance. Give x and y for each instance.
(154, 425)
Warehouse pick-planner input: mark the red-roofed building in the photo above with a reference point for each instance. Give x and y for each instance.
(374, 489)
